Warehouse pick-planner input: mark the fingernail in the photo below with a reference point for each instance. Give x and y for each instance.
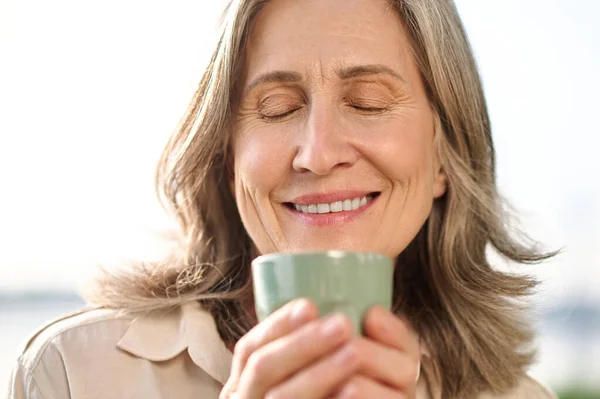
(376, 319)
(333, 326)
(300, 312)
(386, 320)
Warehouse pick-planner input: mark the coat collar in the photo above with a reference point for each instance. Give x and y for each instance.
(162, 336)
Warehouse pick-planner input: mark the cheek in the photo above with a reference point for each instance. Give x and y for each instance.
(260, 162)
(403, 151)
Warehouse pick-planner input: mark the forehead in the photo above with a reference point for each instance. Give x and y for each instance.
(320, 36)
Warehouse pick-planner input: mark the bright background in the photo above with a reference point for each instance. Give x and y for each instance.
(90, 91)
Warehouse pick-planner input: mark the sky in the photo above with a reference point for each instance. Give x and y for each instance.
(90, 91)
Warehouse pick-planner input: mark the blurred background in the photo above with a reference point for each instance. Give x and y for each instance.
(90, 91)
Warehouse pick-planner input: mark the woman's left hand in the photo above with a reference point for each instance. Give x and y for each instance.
(389, 359)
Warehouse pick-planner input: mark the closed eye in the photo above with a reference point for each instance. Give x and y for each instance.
(369, 110)
(271, 118)
(366, 110)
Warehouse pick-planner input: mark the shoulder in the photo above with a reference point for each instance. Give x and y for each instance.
(106, 353)
(527, 388)
(532, 388)
(41, 364)
(73, 329)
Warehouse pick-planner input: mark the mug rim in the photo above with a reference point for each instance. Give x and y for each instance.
(332, 253)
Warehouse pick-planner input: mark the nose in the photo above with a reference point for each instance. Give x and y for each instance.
(325, 143)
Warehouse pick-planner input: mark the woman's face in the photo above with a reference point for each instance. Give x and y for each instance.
(333, 140)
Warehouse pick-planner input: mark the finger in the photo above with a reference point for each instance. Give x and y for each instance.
(286, 319)
(279, 360)
(383, 326)
(385, 364)
(320, 379)
(363, 387)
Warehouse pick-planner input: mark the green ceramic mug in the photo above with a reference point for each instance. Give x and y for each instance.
(337, 281)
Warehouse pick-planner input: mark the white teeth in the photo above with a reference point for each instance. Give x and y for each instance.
(323, 208)
(347, 205)
(334, 207)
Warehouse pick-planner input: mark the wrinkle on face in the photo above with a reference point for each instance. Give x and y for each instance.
(256, 214)
(370, 131)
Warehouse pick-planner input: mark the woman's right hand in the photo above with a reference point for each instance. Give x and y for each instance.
(292, 353)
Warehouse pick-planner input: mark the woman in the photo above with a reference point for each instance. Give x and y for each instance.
(347, 124)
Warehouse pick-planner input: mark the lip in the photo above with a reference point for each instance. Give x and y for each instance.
(328, 198)
(330, 219)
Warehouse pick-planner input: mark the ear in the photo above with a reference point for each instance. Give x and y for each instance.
(230, 170)
(440, 180)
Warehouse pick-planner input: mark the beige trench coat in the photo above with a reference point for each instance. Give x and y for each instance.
(99, 354)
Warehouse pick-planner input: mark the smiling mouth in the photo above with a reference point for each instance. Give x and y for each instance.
(346, 205)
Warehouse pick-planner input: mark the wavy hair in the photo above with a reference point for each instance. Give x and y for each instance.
(469, 314)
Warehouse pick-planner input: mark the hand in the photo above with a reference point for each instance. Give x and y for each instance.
(293, 354)
(389, 359)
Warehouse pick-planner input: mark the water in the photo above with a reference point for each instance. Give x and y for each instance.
(569, 341)
(569, 344)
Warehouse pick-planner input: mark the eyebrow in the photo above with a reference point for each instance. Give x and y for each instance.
(366, 70)
(275, 77)
(343, 73)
